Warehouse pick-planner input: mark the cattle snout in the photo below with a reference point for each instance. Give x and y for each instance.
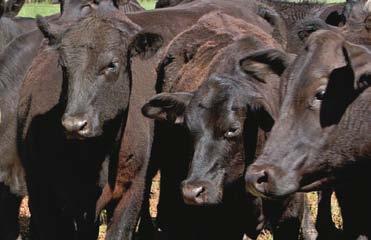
(271, 181)
(193, 194)
(77, 126)
(199, 193)
(260, 179)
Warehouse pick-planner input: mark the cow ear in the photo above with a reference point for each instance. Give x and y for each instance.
(51, 32)
(306, 28)
(146, 44)
(276, 21)
(359, 58)
(263, 62)
(336, 19)
(167, 107)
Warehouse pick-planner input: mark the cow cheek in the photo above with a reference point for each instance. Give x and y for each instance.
(112, 100)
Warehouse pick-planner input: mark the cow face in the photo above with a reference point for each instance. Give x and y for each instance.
(314, 138)
(222, 117)
(95, 58)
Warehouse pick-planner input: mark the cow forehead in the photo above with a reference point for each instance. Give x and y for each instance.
(92, 33)
(322, 54)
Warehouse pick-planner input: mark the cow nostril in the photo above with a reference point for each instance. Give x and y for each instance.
(198, 191)
(83, 124)
(74, 124)
(263, 178)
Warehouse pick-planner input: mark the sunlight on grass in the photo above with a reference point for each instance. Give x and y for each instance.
(34, 9)
(147, 4)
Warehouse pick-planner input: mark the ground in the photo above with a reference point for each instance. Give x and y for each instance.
(25, 215)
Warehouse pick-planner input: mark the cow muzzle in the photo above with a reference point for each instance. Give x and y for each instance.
(200, 193)
(269, 181)
(77, 127)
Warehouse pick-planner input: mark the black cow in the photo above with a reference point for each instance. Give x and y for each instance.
(295, 14)
(15, 61)
(219, 156)
(87, 114)
(127, 184)
(322, 135)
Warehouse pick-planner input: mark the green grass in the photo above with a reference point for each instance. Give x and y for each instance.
(45, 9)
(34, 9)
(148, 4)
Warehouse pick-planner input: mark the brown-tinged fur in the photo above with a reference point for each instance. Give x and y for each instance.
(166, 22)
(324, 120)
(156, 22)
(185, 68)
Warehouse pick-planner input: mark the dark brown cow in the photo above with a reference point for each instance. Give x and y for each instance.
(15, 61)
(187, 72)
(137, 139)
(295, 17)
(127, 185)
(322, 134)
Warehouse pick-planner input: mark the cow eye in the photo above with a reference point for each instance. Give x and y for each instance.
(110, 68)
(232, 132)
(320, 95)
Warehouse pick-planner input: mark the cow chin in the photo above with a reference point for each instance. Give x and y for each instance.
(81, 136)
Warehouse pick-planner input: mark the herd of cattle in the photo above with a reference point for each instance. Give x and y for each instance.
(255, 102)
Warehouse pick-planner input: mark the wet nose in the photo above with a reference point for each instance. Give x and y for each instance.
(193, 194)
(259, 179)
(76, 125)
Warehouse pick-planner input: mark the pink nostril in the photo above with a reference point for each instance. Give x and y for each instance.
(74, 124)
(198, 191)
(82, 125)
(193, 194)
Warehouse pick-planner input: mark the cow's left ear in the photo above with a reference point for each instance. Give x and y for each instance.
(262, 63)
(359, 58)
(167, 107)
(146, 44)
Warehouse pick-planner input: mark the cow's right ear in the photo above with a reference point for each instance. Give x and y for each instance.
(261, 63)
(51, 32)
(167, 107)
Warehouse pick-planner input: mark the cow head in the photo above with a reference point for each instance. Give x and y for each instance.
(313, 139)
(223, 116)
(95, 57)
